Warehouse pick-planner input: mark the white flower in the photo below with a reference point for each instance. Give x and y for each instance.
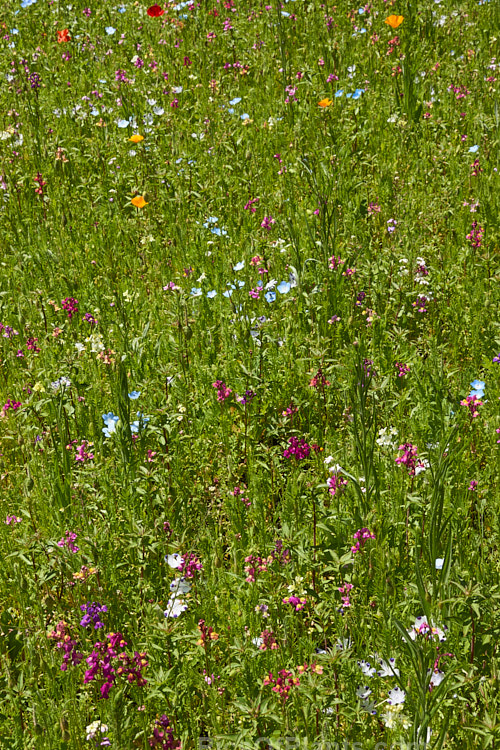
(396, 696)
(79, 347)
(439, 563)
(436, 678)
(424, 464)
(388, 669)
(385, 435)
(343, 644)
(366, 668)
(422, 627)
(96, 342)
(93, 728)
(61, 383)
(175, 607)
(180, 586)
(363, 692)
(175, 560)
(257, 642)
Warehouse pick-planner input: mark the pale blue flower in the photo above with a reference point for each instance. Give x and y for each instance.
(110, 30)
(134, 395)
(244, 116)
(123, 123)
(357, 93)
(212, 294)
(110, 420)
(339, 93)
(477, 393)
(478, 385)
(270, 296)
(473, 149)
(195, 292)
(284, 287)
(236, 100)
(139, 424)
(239, 266)
(228, 293)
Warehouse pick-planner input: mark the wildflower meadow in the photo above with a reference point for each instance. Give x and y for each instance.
(250, 359)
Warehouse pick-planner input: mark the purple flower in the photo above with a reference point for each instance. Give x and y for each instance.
(92, 615)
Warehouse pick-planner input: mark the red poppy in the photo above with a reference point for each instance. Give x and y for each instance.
(155, 11)
(63, 36)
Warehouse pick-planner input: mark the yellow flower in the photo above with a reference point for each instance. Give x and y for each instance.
(136, 138)
(138, 201)
(394, 21)
(325, 103)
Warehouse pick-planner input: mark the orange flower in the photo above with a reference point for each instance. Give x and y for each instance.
(394, 21)
(325, 103)
(138, 201)
(63, 36)
(136, 138)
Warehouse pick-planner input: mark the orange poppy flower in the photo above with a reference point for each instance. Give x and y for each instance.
(325, 103)
(136, 138)
(138, 201)
(155, 11)
(394, 21)
(63, 36)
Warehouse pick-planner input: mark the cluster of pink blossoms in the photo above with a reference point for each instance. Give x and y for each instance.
(282, 684)
(63, 640)
(223, 391)
(296, 602)
(344, 590)
(336, 483)
(361, 536)
(238, 492)
(472, 402)
(108, 661)
(163, 735)
(69, 542)
(334, 262)
(255, 564)
(70, 304)
(81, 453)
(190, 566)
(402, 369)
(268, 641)
(299, 449)
(409, 458)
(475, 235)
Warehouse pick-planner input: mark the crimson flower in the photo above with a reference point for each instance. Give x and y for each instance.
(155, 11)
